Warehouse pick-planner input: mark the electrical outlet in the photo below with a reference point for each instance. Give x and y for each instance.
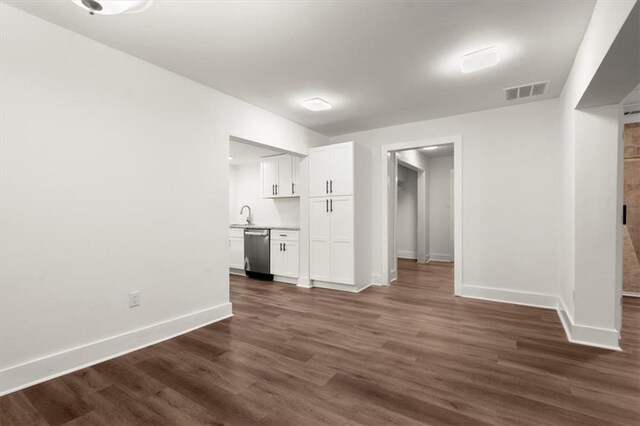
(134, 299)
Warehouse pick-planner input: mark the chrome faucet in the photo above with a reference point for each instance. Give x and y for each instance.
(249, 218)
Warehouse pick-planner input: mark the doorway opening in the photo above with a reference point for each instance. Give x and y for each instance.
(421, 208)
(631, 195)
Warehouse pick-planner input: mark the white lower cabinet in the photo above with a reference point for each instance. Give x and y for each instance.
(236, 248)
(285, 253)
(331, 239)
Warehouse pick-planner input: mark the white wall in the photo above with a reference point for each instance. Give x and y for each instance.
(407, 219)
(590, 185)
(509, 197)
(265, 211)
(233, 204)
(114, 178)
(441, 241)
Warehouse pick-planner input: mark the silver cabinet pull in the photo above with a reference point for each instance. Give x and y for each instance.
(326, 186)
(273, 190)
(276, 189)
(331, 209)
(284, 246)
(327, 205)
(331, 186)
(293, 188)
(280, 246)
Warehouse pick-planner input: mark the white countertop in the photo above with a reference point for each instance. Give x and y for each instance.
(284, 228)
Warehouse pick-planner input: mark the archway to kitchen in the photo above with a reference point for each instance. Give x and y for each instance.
(267, 213)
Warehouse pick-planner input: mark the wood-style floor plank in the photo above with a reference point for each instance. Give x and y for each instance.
(407, 354)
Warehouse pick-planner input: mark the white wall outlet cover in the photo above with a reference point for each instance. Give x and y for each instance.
(134, 299)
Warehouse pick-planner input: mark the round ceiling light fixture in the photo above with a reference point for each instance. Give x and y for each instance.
(113, 7)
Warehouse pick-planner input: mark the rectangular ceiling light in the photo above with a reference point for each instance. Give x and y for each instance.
(316, 104)
(479, 60)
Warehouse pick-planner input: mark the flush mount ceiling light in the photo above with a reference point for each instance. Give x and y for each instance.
(230, 158)
(316, 104)
(479, 60)
(430, 148)
(113, 7)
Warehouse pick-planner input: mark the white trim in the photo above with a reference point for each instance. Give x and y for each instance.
(630, 294)
(376, 280)
(436, 257)
(457, 158)
(537, 300)
(586, 335)
(304, 282)
(576, 333)
(235, 271)
(285, 280)
(55, 365)
(350, 288)
(407, 254)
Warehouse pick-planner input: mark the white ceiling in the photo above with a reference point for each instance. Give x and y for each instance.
(244, 153)
(378, 63)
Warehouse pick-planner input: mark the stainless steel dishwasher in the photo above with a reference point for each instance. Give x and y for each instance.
(257, 253)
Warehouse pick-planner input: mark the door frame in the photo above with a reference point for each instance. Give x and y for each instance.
(625, 119)
(457, 202)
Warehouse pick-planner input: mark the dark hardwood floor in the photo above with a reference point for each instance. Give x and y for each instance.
(408, 354)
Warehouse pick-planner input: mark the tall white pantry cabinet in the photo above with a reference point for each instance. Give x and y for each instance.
(340, 223)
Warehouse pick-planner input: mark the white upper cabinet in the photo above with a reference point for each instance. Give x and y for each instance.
(341, 163)
(279, 176)
(331, 170)
(269, 176)
(319, 172)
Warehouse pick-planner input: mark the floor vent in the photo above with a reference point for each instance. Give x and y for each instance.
(526, 91)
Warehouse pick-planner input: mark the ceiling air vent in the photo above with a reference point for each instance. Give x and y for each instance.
(526, 91)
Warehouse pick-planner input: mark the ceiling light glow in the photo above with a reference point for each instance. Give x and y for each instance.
(479, 60)
(430, 148)
(316, 104)
(113, 7)
(230, 158)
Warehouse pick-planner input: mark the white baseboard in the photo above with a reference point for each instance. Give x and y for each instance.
(630, 294)
(234, 271)
(49, 367)
(286, 280)
(576, 333)
(351, 288)
(406, 254)
(509, 296)
(376, 279)
(303, 281)
(587, 335)
(436, 257)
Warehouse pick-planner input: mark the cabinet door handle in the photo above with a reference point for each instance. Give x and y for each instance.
(276, 189)
(331, 204)
(284, 246)
(293, 188)
(331, 186)
(327, 205)
(326, 186)
(280, 246)
(273, 190)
